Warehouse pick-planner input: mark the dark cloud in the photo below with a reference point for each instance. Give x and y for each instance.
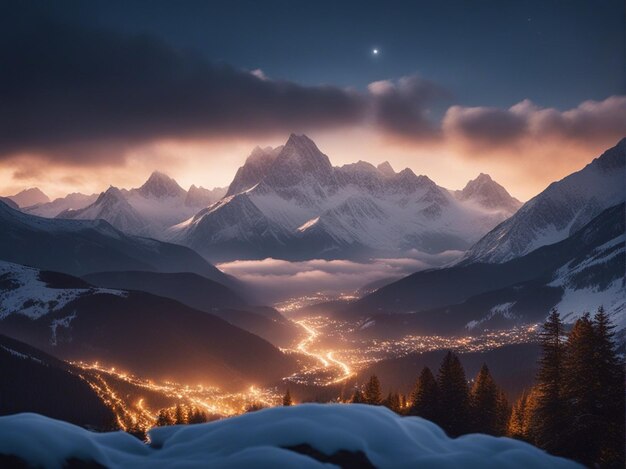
(592, 122)
(401, 107)
(81, 94)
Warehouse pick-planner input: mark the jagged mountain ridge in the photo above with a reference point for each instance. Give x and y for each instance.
(79, 247)
(158, 204)
(578, 274)
(559, 211)
(73, 201)
(290, 202)
(28, 197)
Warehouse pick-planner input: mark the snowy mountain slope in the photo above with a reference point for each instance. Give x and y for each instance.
(199, 197)
(256, 168)
(578, 274)
(112, 207)
(302, 436)
(147, 334)
(29, 197)
(74, 201)
(558, 211)
(79, 247)
(486, 192)
(292, 203)
(24, 290)
(148, 210)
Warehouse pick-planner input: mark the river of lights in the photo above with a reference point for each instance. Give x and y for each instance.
(331, 351)
(133, 412)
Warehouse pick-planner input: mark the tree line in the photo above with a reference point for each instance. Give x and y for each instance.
(447, 399)
(181, 415)
(576, 409)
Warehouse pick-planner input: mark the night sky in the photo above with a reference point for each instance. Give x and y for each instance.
(116, 89)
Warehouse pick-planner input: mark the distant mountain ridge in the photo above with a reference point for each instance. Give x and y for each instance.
(559, 211)
(577, 274)
(79, 247)
(148, 210)
(290, 202)
(29, 197)
(74, 201)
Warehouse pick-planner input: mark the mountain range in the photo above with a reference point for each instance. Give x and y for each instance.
(289, 202)
(158, 204)
(559, 211)
(28, 197)
(79, 247)
(136, 331)
(565, 248)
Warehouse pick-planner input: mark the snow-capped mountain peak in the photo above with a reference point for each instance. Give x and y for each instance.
(113, 207)
(299, 159)
(557, 212)
(254, 169)
(386, 169)
(291, 202)
(29, 197)
(200, 197)
(489, 194)
(160, 185)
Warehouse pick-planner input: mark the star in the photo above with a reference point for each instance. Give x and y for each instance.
(374, 51)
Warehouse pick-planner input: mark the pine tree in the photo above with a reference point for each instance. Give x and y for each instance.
(180, 416)
(393, 402)
(484, 404)
(357, 397)
(287, 399)
(425, 396)
(516, 427)
(372, 393)
(611, 393)
(196, 416)
(164, 418)
(550, 419)
(503, 413)
(581, 394)
(453, 415)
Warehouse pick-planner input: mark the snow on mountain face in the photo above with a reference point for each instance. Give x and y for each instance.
(386, 169)
(597, 279)
(29, 197)
(112, 207)
(358, 207)
(486, 192)
(23, 292)
(148, 210)
(160, 185)
(255, 169)
(199, 197)
(269, 438)
(74, 201)
(564, 207)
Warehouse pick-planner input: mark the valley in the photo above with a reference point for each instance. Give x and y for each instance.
(330, 354)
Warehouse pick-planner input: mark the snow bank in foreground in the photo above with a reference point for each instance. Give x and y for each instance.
(259, 440)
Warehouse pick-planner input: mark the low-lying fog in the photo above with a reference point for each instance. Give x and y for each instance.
(276, 280)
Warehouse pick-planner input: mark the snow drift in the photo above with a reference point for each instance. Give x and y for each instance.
(264, 439)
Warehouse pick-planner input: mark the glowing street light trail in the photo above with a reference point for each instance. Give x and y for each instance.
(325, 358)
(304, 345)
